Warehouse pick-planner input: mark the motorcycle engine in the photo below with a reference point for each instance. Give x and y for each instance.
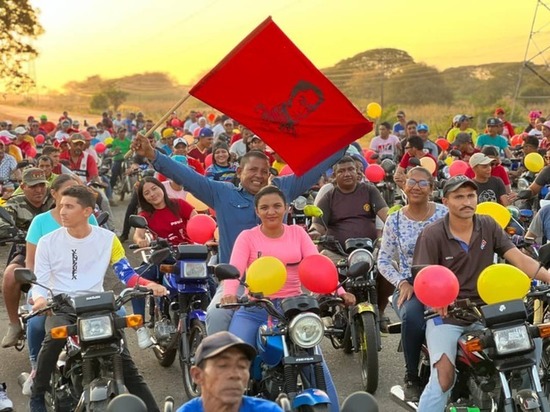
(164, 329)
(482, 399)
(272, 383)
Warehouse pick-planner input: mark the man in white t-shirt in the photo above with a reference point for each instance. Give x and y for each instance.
(73, 260)
(386, 144)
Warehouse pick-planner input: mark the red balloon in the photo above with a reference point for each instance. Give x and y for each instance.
(458, 167)
(286, 170)
(100, 147)
(211, 117)
(443, 143)
(367, 153)
(208, 160)
(175, 123)
(200, 228)
(31, 152)
(318, 274)
(375, 173)
(436, 286)
(516, 140)
(39, 139)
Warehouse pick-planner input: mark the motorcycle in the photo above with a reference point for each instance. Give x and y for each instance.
(356, 329)
(89, 371)
(128, 402)
(289, 359)
(178, 320)
(492, 362)
(387, 187)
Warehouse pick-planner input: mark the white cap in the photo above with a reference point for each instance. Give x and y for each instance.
(7, 134)
(180, 140)
(20, 130)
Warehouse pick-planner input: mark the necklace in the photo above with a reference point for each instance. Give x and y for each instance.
(425, 216)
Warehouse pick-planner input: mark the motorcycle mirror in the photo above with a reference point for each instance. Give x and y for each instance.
(506, 162)
(138, 221)
(525, 194)
(126, 402)
(24, 276)
(544, 255)
(168, 404)
(102, 218)
(4, 215)
(375, 156)
(273, 171)
(159, 256)
(456, 153)
(359, 402)
(299, 203)
(415, 161)
(358, 269)
(417, 268)
(224, 271)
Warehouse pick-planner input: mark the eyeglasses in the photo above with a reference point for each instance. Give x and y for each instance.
(421, 183)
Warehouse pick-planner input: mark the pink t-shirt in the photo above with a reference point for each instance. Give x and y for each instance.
(293, 246)
(173, 194)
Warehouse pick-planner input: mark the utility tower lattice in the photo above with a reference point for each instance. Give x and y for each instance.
(537, 49)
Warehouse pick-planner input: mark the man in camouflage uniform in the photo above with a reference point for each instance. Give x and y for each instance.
(23, 208)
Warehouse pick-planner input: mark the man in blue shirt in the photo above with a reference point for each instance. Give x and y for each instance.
(234, 206)
(492, 138)
(222, 371)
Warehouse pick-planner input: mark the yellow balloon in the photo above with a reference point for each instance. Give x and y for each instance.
(374, 110)
(496, 211)
(501, 282)
(428, 163)
(196, 203)
(534, 162)
(108, 141)
(448, 160)
(266, 275)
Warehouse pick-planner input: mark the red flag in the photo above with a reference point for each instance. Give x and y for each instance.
(267, 84)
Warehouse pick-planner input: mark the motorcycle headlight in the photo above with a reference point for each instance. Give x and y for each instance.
(511, 340)
(100, 327)
(194, 270)
(306, 330)
(361, 255)
(522, 184)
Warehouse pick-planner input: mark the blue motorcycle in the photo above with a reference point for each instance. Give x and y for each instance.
(289, 360)
(178, 320)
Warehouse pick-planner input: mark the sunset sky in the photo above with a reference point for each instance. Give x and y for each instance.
(186, 38)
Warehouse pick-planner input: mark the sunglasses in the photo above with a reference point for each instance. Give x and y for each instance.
(421, 183)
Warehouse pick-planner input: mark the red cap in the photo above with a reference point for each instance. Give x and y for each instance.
(499, 110)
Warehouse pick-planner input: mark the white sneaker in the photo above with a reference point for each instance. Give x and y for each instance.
(26, 389)
(144, 339)
(6, 404)
(12, 337)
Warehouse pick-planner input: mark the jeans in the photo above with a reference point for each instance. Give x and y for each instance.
(36, 331)
(130, 210)
(413, 327)
(218, 319)
(149, 273)
(245, 325)
(51, 349)
(115, 171)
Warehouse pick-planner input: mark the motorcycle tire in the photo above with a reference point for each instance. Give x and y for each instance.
(166, 357)
(197, 332)
(366, 333)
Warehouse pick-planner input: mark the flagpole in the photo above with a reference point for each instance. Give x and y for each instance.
(167, 114)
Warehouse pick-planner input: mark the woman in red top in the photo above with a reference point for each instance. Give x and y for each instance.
(166, 217)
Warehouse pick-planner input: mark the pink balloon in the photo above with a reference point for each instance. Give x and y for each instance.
(318, 274)
(208, 160)
(286, 170)
(100, 147)
(175, 123)
(200, 228)
(375, 173)
(436, 286)
(458, 167)
(39, 139)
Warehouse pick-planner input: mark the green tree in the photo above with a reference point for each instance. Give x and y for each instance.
(18, 27)
(99, 102)
(115, 96)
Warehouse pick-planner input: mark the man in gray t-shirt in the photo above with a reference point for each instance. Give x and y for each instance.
(489, 188)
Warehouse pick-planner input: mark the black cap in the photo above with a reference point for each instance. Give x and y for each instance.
(493, 121)
(456, 182)
(215, 344)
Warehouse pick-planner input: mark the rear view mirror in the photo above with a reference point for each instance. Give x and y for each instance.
(137, 221)
(159, 256)
(24, 276)
(102, 218)
(224, 271)
(544, 255)
(358, 269)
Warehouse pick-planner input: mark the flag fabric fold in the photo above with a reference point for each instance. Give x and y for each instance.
(267, 84)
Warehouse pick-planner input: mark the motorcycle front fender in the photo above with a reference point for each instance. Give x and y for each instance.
(310, 397)
(362, 307)
(198, 314)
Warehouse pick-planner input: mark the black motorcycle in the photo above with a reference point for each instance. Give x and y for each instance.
(89, 371)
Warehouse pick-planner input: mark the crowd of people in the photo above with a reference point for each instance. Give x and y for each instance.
(54, 183)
